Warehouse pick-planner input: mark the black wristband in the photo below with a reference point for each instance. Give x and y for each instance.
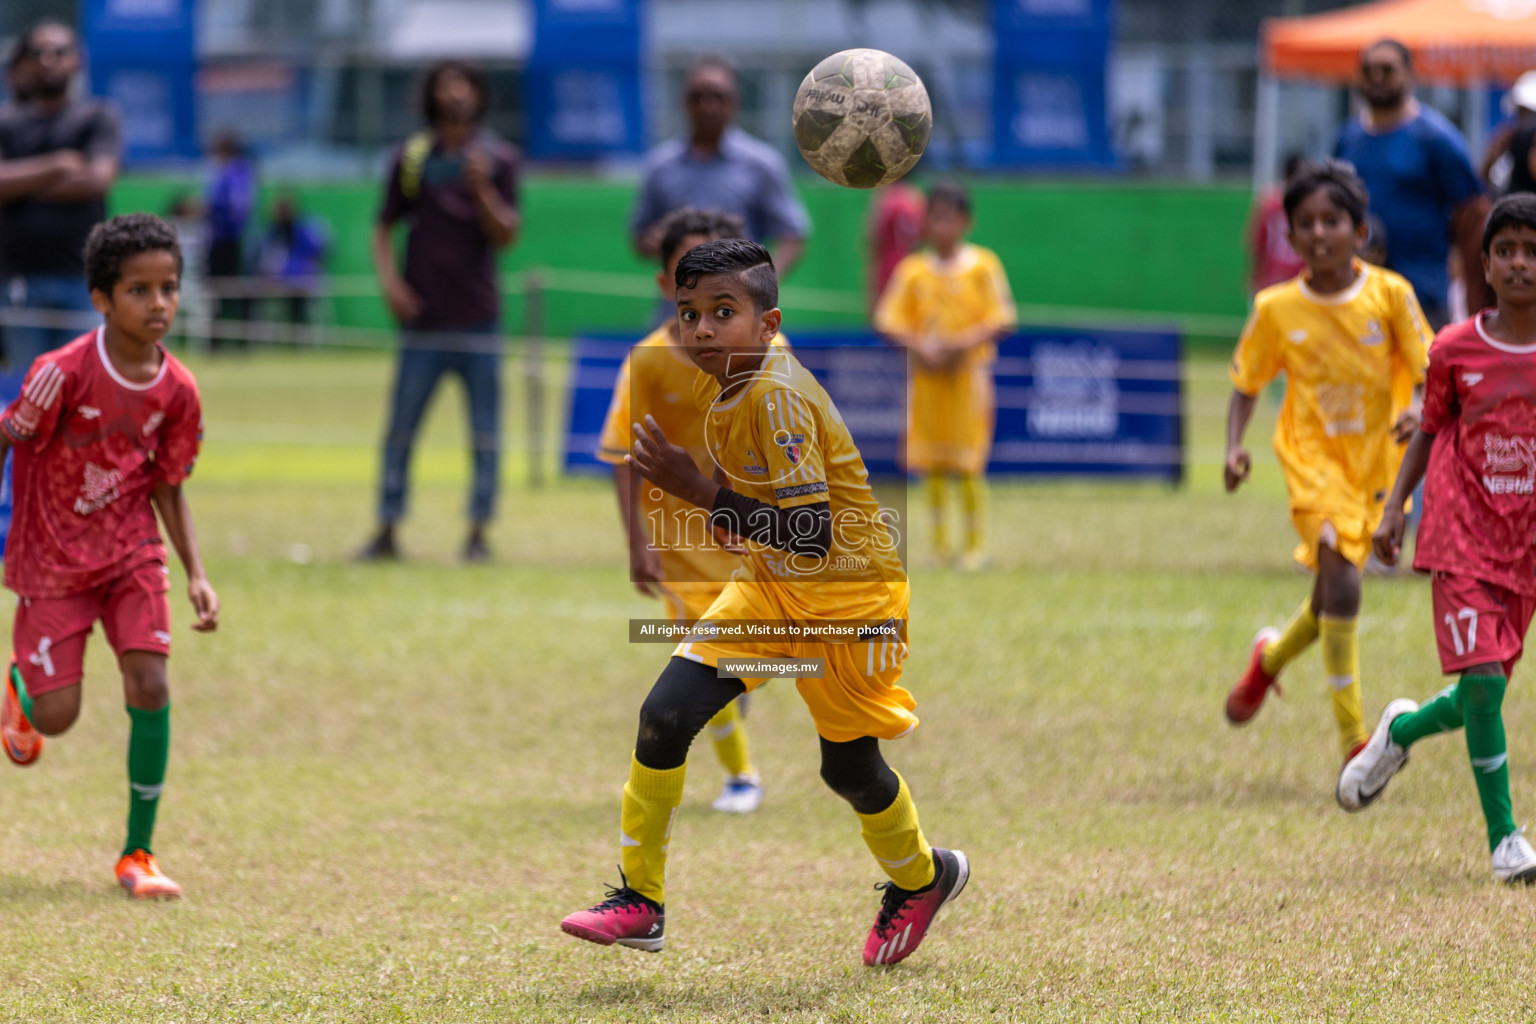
(802, 530)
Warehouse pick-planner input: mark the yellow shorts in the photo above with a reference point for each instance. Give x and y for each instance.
(858, 696)
(952, 418)
(1350, 536)
(687, 602)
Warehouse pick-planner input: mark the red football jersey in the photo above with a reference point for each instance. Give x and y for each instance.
(1480, 491)
(89, 446)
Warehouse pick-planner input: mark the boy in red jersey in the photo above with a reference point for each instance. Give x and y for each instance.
(105, 431)
(1477, 440)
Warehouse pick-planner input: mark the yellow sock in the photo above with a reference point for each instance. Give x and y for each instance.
(938, 488)
(1341, 660)
(973, 497)
(651, 799)
(896, 839)
(729, 730)
(1297, 637)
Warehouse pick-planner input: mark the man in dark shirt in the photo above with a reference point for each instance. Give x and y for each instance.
(455, 185)
(58, 158)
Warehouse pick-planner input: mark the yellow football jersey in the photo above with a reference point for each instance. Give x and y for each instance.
(1340, 354)
(782, 441)
(657, 379)
(942, 298)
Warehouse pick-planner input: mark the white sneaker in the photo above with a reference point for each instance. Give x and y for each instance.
(741, 794)
(1365, 776)
(1514, 861)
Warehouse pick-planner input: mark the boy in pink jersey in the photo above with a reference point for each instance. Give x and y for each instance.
(104, 432)
(1477, 440)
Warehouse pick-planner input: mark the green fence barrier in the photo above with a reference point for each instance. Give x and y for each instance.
(1173, 252)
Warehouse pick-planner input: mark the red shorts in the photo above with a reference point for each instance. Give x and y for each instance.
(48, 636)
(1478, 623)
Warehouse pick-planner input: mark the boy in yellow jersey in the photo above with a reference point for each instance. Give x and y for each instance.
(821, 569)
(1340, 332)
(687, 572)
(948, 306)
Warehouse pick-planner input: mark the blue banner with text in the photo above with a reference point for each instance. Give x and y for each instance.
(1069, 402)
(582, 88)
(1049, 92)
(143, 59)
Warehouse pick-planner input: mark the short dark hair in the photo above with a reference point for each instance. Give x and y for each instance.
(1292, 165)
(711, 61)
(22, 48)
(689, 221)
(1336, 177)
(471, 74)
(1515, 209)
(23, 45)
(951, 193)
(1392, 44)
(113, 241)
(740, 256)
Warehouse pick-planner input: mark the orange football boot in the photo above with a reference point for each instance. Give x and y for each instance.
(23, 744)
(140, 875)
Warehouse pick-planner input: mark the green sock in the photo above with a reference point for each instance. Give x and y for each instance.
(1481, 700)
(149, 742)
(1441, 713)
(22, 697)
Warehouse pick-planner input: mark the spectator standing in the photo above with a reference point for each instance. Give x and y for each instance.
(58, 159)
(1508, 165)
(1271, 258)
(895, 231)
(454, 184)
(1421, 180)
(720, 167)
(293, 255)
(230, 200)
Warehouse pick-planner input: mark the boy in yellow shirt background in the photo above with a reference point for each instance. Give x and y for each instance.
(1341, 332)
(948, 305)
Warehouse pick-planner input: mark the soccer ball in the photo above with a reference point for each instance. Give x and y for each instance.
(862, 118)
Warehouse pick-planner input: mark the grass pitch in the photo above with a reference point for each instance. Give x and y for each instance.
(388, 783)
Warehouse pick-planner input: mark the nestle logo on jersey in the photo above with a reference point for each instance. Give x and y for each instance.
(99, 490)
(1509, 484)
(1509, 465)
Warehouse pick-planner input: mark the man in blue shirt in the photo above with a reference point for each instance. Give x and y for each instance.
(1415, 164)
(230, 199)
(720, 167)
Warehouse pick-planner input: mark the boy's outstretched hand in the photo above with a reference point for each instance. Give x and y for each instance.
(1239, 462)
(205, 603)
(1388, 538)
(669, 466)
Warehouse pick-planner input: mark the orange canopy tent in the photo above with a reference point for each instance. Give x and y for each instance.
(1465, 41)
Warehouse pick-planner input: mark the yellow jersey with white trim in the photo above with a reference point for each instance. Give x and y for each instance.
(1340, 354)
(657, 379)
(781, 440)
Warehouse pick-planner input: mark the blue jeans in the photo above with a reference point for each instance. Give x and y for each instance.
(64, 292)
(475, 355)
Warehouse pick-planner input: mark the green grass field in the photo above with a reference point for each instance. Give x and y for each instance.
(388, 783)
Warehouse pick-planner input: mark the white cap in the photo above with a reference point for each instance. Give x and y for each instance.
(1523, 93)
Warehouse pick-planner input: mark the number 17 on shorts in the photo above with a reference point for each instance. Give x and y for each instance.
(1478, 623)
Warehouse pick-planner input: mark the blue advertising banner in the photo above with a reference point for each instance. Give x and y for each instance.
(582, 88)
(142, 58)
(1097, 403)
(1049, 94)
(1069, 402)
